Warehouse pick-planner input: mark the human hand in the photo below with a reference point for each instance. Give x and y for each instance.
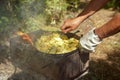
(89, 41)
(71, 24)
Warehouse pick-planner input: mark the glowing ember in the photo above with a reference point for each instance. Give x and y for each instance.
(25, 37)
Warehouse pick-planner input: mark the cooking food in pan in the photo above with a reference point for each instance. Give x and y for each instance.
(56, 43)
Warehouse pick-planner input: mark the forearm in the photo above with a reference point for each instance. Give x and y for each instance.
(110, 28)
(92, 7)
(91, 39)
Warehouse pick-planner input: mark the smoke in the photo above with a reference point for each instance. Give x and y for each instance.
(22, 15)
(31, 15)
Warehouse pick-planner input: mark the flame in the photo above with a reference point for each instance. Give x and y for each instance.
(25, 37)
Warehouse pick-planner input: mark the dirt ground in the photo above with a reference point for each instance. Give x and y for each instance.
(104, 63)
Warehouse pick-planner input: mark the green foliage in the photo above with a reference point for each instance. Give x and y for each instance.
(32, 15)
(26, 1)
(73, 4)
(29, 14)
(114, 4)
(4, 16)
(24, 15)
(55, 9)
(33, 23)
(4, 21)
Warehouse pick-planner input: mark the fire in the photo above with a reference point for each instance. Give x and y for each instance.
(25, 37)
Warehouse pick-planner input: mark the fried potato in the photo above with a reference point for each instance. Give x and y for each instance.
(56, 43)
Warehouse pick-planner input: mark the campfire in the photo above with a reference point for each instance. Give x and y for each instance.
(25, 55)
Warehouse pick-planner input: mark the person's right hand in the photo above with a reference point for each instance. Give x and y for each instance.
(71, 24)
